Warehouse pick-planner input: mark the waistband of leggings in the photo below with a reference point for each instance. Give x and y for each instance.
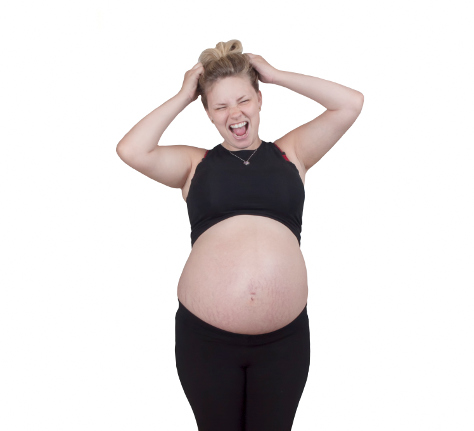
(299, 323)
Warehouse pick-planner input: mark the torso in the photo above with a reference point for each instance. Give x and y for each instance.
(246, 274)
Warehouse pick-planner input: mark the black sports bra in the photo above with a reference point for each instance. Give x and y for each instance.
(223, 186)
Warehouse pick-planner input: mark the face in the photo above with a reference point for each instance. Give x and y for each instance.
(231, 101)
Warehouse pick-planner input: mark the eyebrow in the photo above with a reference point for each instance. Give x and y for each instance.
(218, 104)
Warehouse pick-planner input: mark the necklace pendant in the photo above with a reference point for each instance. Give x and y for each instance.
(246, 162)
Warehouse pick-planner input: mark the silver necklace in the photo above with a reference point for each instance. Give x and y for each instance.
(246, 162)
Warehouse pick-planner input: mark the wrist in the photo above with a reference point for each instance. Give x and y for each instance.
(277, 77)
(183, 98)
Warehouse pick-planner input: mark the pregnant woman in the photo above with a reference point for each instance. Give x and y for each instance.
(242, 328)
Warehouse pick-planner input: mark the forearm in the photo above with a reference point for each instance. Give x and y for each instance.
(144, 136)
(329, 94)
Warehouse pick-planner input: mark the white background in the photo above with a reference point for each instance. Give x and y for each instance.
(92, 250)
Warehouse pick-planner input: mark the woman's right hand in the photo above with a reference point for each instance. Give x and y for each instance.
(190, 82)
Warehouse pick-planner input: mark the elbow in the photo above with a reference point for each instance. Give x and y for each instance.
(119, 150)
(355, 102)
(122, 151)
(121, 147)
(358, 102)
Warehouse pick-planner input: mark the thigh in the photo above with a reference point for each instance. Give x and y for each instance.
(212, 379)
(276, 379)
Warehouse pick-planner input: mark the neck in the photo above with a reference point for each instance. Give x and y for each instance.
(253, 146)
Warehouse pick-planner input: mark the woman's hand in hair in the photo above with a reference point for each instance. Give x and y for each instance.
(191, 77)
(266, 72)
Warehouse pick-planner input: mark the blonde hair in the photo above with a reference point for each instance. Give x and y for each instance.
(226, 59)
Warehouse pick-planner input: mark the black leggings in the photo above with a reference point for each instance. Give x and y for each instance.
(239, 382)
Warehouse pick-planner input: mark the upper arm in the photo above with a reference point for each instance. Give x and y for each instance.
(169, 165)
(311, 141)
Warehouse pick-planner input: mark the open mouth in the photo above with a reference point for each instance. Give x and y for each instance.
(240, 132)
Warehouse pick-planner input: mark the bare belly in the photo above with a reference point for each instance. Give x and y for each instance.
(246, 274)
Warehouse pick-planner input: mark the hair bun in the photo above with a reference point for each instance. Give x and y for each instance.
(222, 49)
(223, 61)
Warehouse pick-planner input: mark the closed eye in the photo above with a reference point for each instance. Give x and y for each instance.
(222, 107)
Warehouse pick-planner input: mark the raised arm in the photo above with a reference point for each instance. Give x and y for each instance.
(170, 164)
(311, 141)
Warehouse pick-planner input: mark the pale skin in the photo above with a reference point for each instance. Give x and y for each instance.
(174, 165)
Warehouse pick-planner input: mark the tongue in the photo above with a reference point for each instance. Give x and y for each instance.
(239, 131)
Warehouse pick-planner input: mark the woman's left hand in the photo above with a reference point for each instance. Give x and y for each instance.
(266, 72)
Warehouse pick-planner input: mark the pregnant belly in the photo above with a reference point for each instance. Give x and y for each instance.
(246, 275)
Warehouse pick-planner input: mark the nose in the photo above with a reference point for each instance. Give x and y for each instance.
(235, 111)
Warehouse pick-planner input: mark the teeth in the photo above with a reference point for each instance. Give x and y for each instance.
(234, 126)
